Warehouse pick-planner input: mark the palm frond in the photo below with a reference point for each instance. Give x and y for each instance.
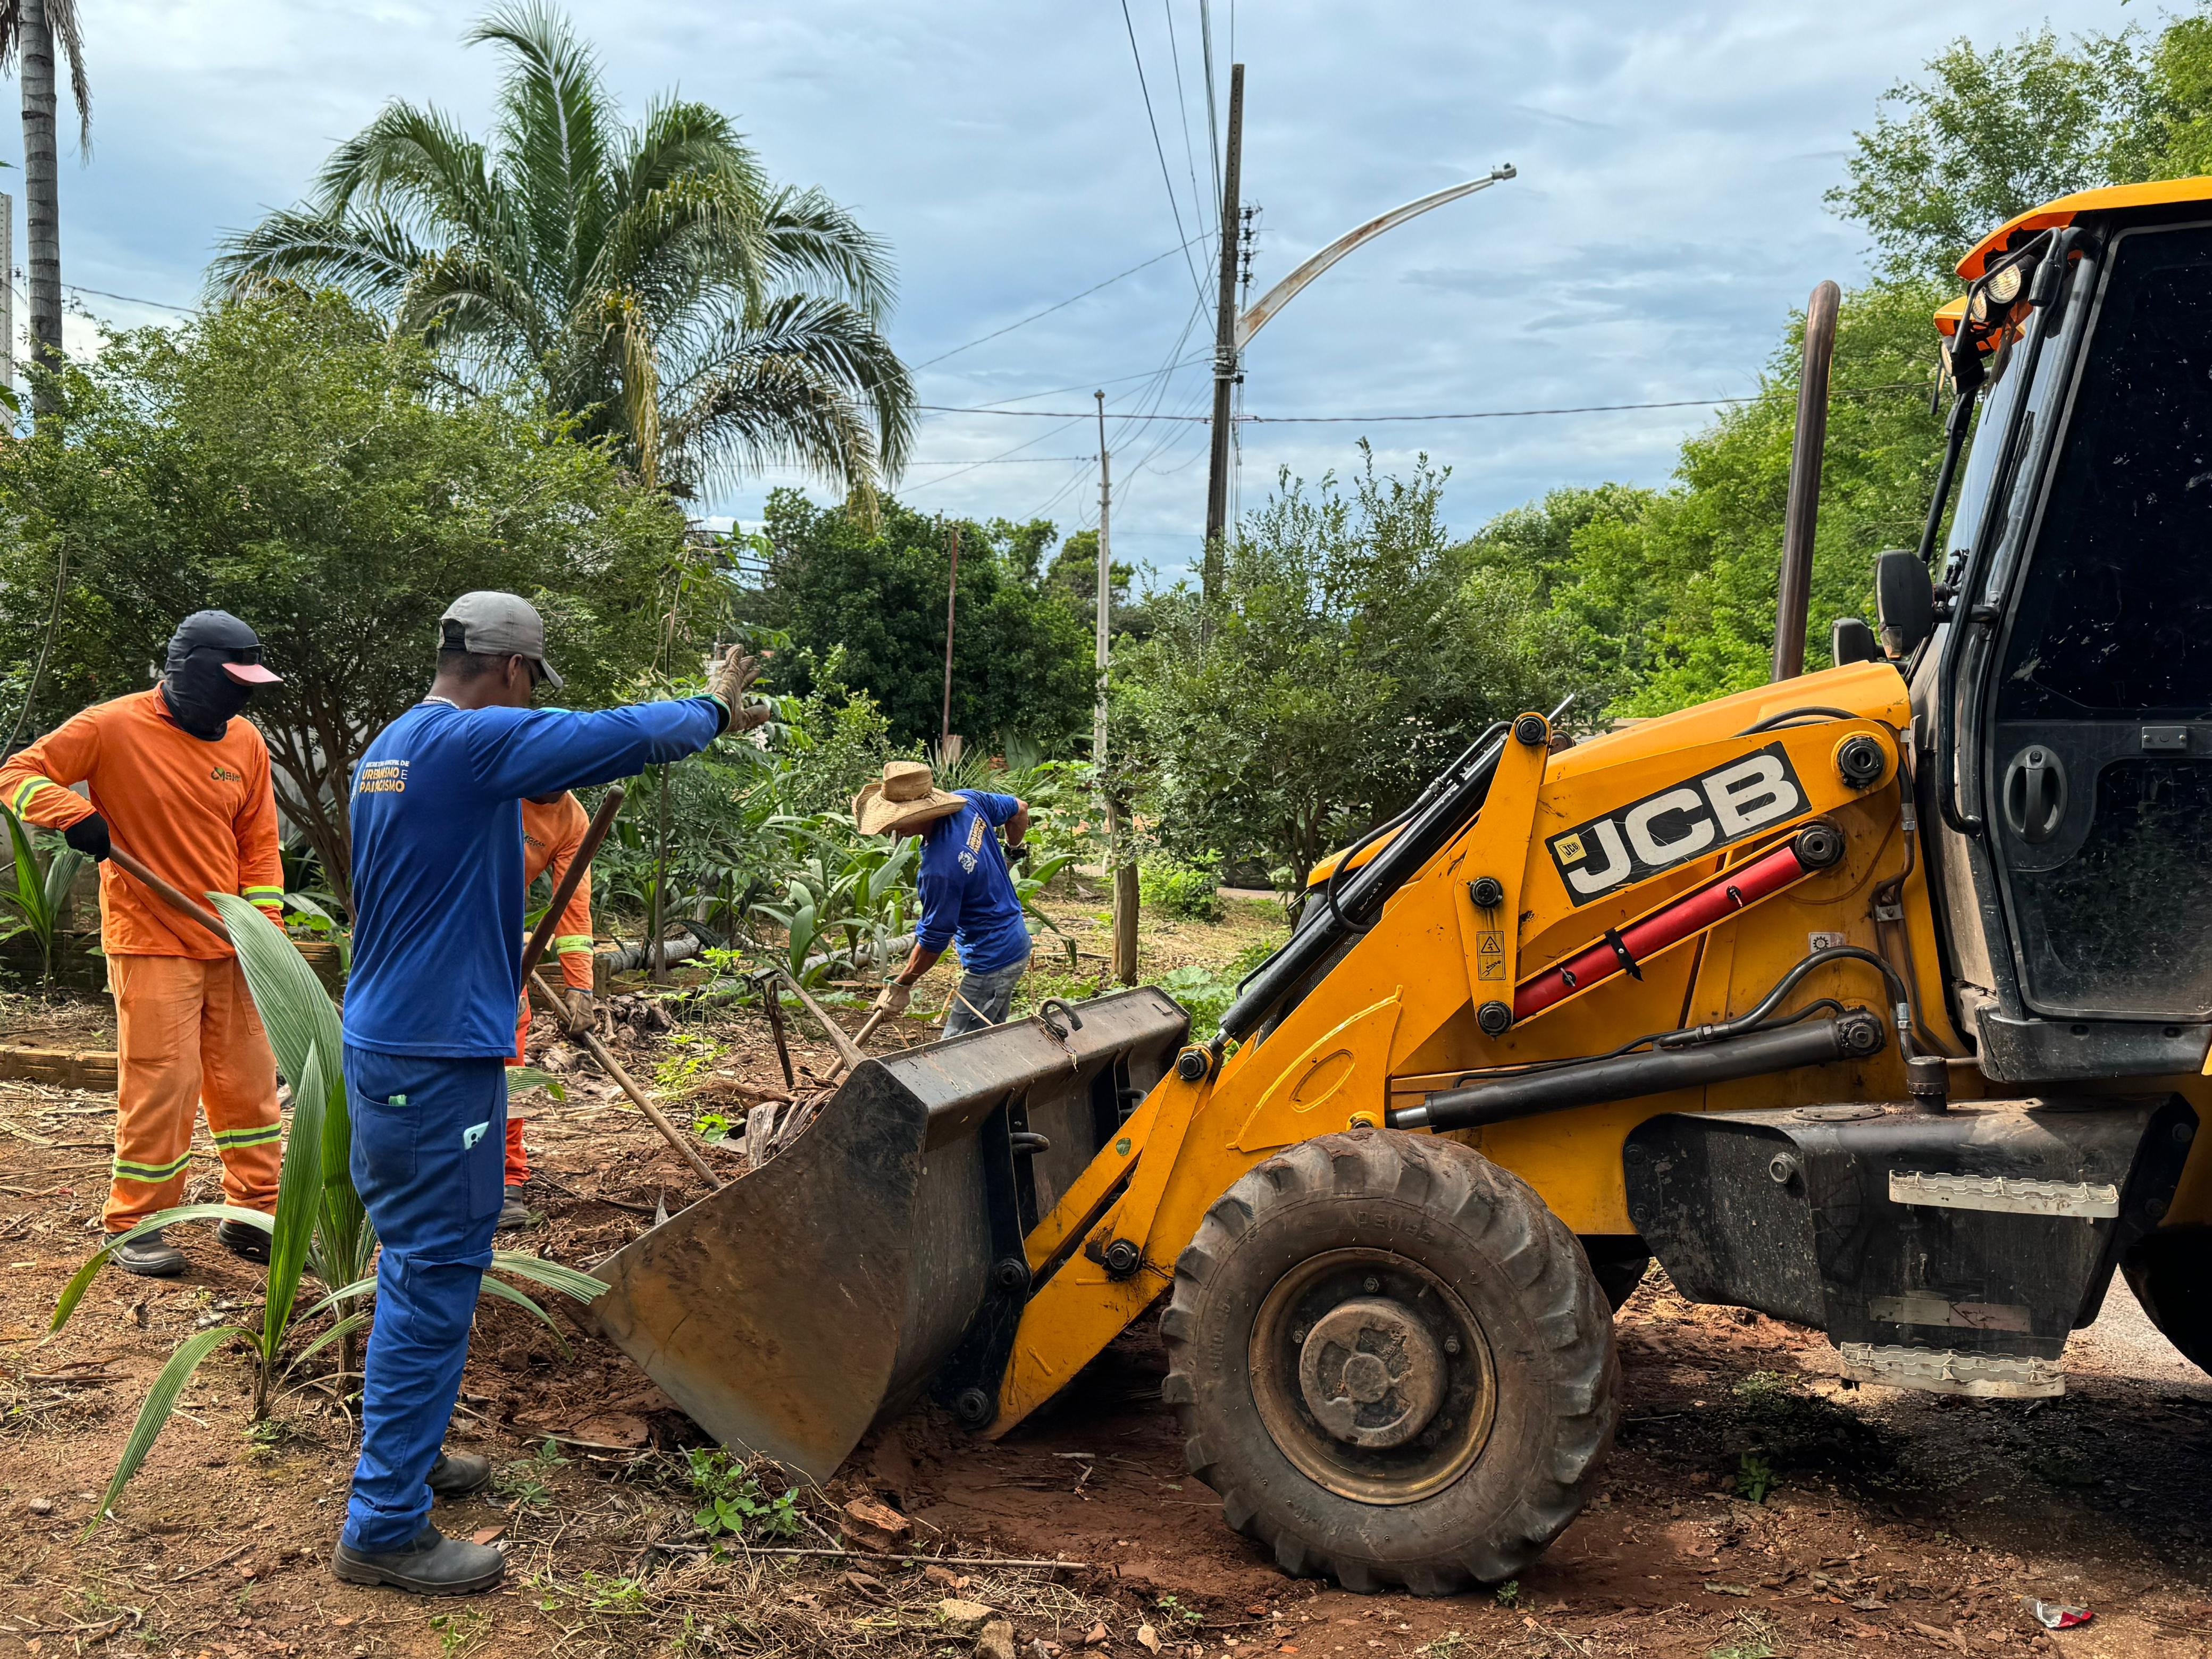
(417, 166)
(369, 255)
(811, 383)
(69, 41)
(557, 132)
(160, 1401)
(459, 296)
(815, 245)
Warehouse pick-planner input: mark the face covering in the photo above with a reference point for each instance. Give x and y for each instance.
(202, 697)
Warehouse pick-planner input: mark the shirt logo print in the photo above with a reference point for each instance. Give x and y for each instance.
(383, 778)
(224, 774)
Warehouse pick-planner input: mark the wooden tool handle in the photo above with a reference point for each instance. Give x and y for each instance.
(587, 849)
(174, 897)
(612, 1068)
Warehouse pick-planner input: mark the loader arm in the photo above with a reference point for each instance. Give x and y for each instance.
(1493, 916)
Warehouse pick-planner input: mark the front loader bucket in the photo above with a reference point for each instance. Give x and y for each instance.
(881, 1250)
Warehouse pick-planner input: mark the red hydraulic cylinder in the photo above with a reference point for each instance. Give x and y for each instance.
(1624, 951)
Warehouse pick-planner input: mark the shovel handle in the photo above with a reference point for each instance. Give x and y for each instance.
(612, 1068)
(174, 897)
(587, 850)
(876, 1017)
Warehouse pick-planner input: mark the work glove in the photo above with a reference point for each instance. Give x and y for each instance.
(88, 835)
(727, 676)
(582, 1015)
(894, 999)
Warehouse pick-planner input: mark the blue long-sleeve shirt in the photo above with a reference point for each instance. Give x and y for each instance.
(437, 858)
(967, 892)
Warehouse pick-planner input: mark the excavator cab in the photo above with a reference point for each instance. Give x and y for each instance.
(1876, 999)
(2067, 682)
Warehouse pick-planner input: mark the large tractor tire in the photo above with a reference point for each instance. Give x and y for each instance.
(1393, 1363)
(2171, 1273)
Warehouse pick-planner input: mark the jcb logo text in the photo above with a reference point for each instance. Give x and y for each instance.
(1677, 825)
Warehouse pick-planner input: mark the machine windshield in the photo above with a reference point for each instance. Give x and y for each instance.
(2114, 617)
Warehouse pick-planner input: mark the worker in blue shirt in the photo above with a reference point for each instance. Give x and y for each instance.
(967, 892)
(429, 1023)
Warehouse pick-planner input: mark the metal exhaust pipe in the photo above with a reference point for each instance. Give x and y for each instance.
(1795, 594)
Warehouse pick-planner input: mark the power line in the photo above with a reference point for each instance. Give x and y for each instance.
(1476, 415)
(1159, 149)
(1048, 310)
(1182, 113)
(132, 299)
(1141, 374)
(128, 299)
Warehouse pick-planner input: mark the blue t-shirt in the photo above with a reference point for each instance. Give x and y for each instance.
(966, 893)
(437, 858)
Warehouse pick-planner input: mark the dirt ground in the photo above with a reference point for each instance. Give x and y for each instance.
(1754, 1505)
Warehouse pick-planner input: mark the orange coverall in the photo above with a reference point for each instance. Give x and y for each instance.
(203, 814)
(550, 834)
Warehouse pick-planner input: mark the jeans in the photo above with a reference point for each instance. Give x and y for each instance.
(429, 1140)
(983, 999)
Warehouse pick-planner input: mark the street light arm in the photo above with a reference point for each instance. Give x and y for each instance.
(1277, 297)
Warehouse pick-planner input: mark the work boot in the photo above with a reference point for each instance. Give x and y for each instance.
(512, 1215)
(150, 1256)
(243, 1238)
(456, 1475)
(433, 1565)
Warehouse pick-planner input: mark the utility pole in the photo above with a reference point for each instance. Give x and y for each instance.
(952, 593)
(6, 291)
(1224, 345)
(1120, 866)
(1102, 636)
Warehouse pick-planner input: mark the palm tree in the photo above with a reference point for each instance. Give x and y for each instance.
(647, 277)
(32, 30)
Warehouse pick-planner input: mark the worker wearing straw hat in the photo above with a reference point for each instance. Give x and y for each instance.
(967, 892)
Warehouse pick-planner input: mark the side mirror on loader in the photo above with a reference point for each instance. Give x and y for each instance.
(1850, 640)
(1903, 601)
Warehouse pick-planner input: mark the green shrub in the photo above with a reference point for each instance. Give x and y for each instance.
(1190, 891)
(1207, 992)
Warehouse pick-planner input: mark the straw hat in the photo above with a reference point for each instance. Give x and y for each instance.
(907, 798)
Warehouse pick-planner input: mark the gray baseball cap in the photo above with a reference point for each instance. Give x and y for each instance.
(497, 625)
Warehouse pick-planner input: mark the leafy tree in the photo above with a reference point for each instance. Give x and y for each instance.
(1352, 650)
(647, 278)
(1987, 134)
(1073, 572)
(875, 585)
(1667, 598)
(282, 459)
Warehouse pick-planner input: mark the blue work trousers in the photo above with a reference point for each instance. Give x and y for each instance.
(984, 999)
(429, 1136)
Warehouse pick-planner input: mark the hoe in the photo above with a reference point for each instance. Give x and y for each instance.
(1876, 999)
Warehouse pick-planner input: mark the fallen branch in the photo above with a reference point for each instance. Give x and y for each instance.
(858, 1554)
(220, 1561)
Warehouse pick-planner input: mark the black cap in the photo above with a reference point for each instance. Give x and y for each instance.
(235, 644)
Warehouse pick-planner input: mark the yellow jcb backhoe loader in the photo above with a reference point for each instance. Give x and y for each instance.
(1877, 999)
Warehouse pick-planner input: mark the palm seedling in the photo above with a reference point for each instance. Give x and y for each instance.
(40, 900)
(319, 1228)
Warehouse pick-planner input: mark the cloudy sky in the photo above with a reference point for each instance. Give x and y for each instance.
(1666, 216)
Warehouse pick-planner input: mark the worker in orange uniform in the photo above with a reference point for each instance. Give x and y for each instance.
(184, 783)
(552, 830)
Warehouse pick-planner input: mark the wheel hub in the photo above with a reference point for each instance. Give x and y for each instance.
(1370, 1373)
